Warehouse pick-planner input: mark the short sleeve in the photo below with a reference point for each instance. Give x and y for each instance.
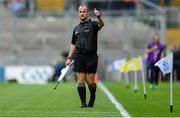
(163, 47)
(96, 26)
(73, 41)
(149, 46)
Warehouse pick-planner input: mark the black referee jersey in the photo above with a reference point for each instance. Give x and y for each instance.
(85, 37)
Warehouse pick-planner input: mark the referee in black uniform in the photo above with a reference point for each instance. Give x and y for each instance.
(84, 51)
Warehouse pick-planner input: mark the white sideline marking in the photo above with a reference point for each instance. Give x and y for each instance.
(122, 111)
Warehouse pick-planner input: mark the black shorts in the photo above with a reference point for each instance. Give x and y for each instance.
(86, 63)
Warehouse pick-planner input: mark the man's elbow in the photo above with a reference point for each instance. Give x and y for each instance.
(101, 25)
(147, 51)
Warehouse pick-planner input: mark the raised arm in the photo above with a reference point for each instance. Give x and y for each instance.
(100, 19)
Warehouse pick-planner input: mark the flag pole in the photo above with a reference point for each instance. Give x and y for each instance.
(166, 66)
(127, 79)
(171, 85)
(171, 93)
(135, 82)
(143, 78)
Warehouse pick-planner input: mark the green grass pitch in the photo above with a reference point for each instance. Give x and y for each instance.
(43, 101)
(156, 104)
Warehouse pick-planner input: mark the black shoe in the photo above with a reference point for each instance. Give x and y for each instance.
(91, 101)
(83, 106)
(90, 104)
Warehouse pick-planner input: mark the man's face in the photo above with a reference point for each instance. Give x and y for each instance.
(156, 39)
(83, 13)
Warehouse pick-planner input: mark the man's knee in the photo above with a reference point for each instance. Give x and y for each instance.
(91, 80)
(81, 78)
(91, 83)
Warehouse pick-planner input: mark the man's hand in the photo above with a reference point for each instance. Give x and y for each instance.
(97, 13)
(68, 61)
(155, 47)
(149, 50)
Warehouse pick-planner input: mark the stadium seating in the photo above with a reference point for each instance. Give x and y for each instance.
(50, 5)
(172, 3)
(173, 37)
(41, 38)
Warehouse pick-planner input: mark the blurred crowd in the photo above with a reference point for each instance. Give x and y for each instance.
(18, 7)
(165, 2)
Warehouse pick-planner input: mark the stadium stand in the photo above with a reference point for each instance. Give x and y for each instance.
(39, 38)
(173, 36)
(172, 3)
(49, 5)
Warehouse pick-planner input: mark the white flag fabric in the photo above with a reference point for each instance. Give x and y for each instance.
(118, 63)
(166, 64)
(115, 65)
(64, 71)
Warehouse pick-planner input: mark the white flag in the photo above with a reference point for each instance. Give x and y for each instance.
(118, 63)
(166, 64)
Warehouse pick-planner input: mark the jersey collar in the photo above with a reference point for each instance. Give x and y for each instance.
(81, 22)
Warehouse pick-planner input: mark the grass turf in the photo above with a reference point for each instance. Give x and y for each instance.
(42, 100)
(156, 104)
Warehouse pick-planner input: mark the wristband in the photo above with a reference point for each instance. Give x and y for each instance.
(69, 58)
(99, 16)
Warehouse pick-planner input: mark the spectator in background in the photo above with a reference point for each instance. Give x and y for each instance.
(155, 52)
(17, 7)
(131, 4)
(176, 61)
(167, 2)
(58, 66)
(28, 4)
(154, 1)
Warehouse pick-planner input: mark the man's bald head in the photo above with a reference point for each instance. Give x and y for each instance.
(83, 12)
(83, 6)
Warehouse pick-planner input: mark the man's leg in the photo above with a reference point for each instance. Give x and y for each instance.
(81, 77)
(148, 73)
(92, 88)
(156, 70)
(151, 76)
(178, 72)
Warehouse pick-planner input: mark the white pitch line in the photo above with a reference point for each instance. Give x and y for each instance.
(122, 111)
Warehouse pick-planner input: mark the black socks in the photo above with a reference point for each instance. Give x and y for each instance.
(92, 89)
(82, 93)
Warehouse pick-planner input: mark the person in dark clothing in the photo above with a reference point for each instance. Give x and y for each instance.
(83, 49)
(57, 71)
(58, 66)
(176, 61)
